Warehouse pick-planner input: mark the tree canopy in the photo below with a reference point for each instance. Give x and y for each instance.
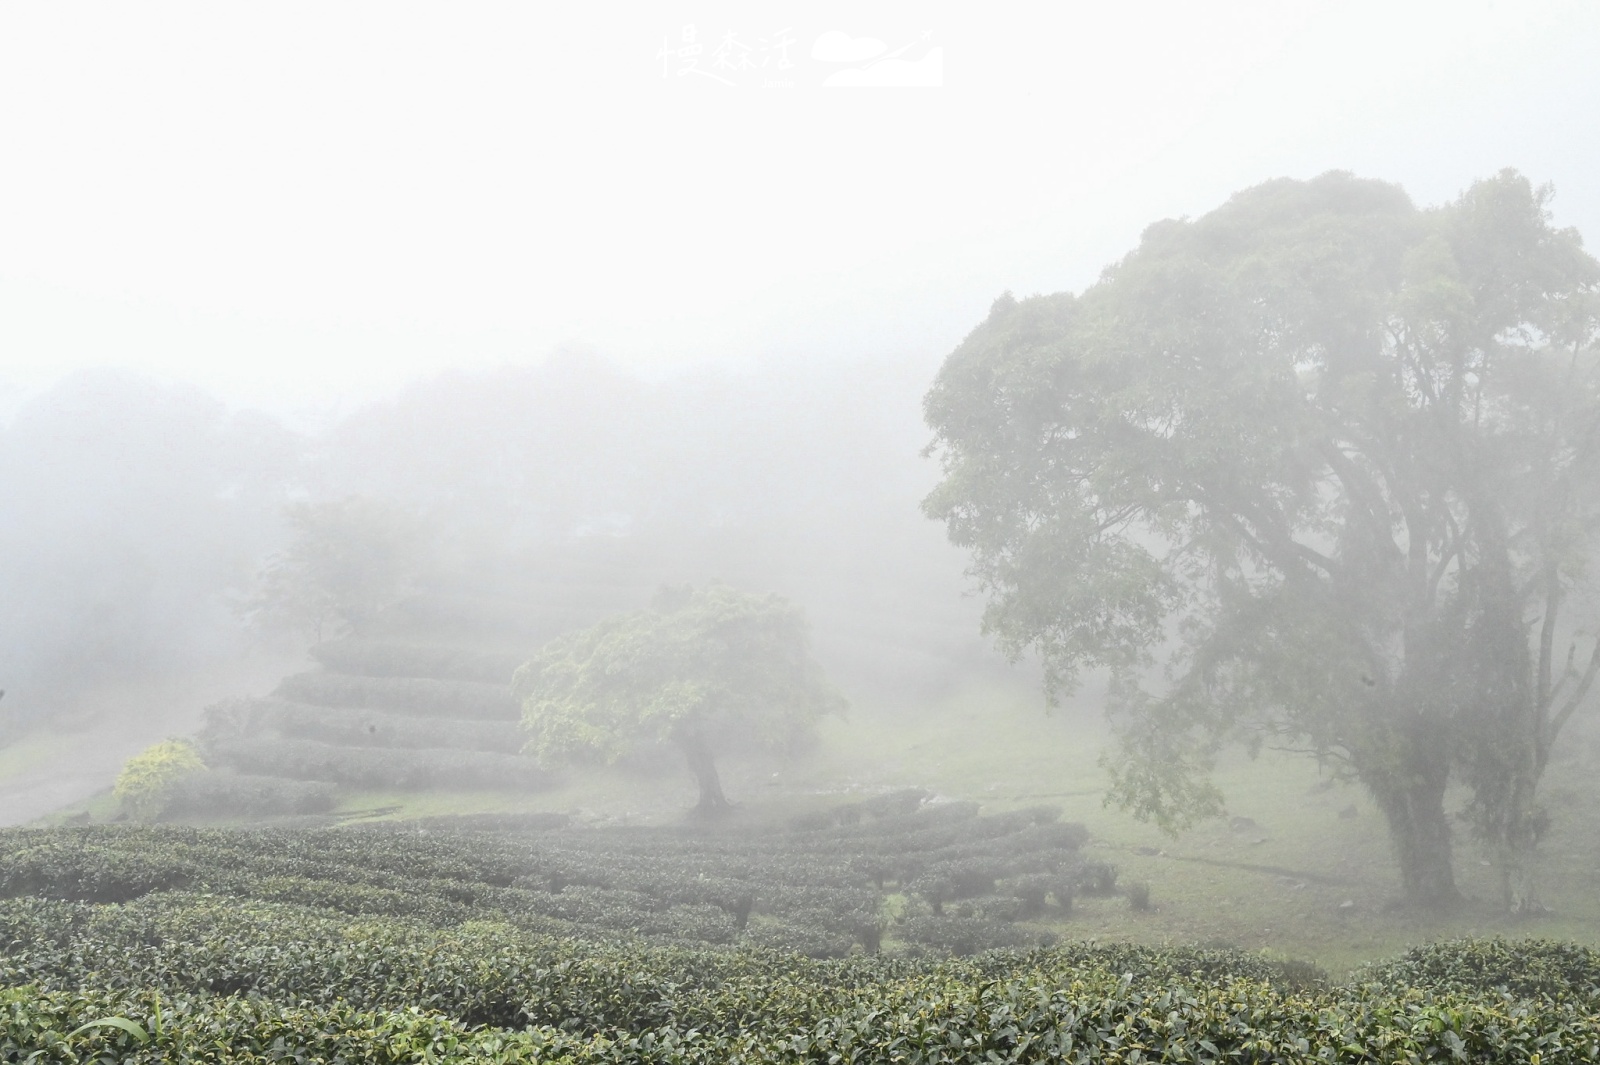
(702, 669)
(347, 561)
(1316, 469)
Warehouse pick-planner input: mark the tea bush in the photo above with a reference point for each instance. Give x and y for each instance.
(145, 784)
(225, 793)
(377, 728)
(426, 696)
(376, 767)
(149, 944)
(618, 1005)
(806, 890)
(1526, 968)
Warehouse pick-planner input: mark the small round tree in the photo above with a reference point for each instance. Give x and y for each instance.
(702, 669)
(146, 780)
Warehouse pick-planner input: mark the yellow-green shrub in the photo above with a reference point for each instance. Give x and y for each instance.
(146, 780)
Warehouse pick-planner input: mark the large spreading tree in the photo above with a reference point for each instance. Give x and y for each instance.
(703, 669)
(1318, 469)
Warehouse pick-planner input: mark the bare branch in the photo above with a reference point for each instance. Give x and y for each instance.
(1560, 685)
(1567, 708)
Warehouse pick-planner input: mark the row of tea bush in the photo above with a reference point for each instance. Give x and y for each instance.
(961, 882)
(233, 983)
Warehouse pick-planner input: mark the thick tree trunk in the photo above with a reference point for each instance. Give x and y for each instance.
(1413, 803)
(1509, 699)
(704, 767)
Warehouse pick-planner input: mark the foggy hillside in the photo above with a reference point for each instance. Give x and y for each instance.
(132, 510)
(513, 519)
(138, 515)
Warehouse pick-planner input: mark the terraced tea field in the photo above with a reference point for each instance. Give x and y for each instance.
(554, 945)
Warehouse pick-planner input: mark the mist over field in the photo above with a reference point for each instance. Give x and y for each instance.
(800, 515)
(140, 514)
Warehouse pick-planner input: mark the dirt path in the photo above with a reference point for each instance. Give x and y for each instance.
(50, 769)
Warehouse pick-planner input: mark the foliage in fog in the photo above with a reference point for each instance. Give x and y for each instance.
(576, 489)
(139, 517)
(347, 561)
(1330, 459)
(131, 510)
(702, 669)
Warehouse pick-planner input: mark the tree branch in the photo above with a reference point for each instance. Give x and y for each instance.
(1283, 549)
(1547, 630)
(1450, 549)
(1567, 708)
(1361, 491)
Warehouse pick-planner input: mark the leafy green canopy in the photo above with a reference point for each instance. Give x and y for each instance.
(712, 667)
(1327, 458)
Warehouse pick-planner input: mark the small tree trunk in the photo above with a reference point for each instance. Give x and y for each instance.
(1519, 888)
(1420, 829)
(1516, 848)
(704, 767)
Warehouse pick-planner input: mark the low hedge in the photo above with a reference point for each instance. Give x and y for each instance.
(377, 767)
(403, 695)
(1527, 968)
(352, 727)
(805, 891)
(225, 793)
(155, 944)
(1030, 1009)
(389, 658)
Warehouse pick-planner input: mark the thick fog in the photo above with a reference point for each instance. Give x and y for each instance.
(580, 321)
(299, 205)
(132, 511)
(140, 515)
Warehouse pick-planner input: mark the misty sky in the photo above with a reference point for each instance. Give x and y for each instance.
(289, 204)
